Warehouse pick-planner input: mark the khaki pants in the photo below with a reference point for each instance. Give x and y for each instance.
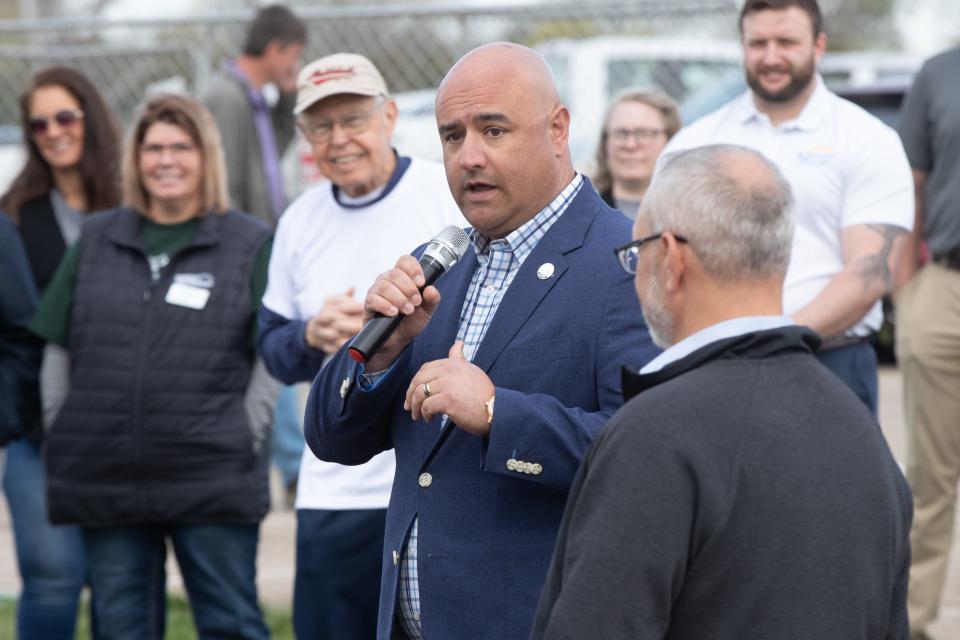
(928, 350)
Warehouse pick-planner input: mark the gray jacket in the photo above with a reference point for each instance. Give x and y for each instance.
(226, 98)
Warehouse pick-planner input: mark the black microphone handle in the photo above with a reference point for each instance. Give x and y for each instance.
(366, 343)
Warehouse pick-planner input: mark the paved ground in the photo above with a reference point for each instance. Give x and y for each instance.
(275, 563)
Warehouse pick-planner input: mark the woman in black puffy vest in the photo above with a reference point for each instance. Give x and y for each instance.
(161, 432)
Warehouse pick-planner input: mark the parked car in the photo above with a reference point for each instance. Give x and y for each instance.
(876, 80)
(589, 72)
(416, 132)
(11, 154)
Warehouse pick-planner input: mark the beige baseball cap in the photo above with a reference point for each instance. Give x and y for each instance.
(336, 74)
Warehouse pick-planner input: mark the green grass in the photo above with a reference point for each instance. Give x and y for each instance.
(8, 615)
(179, 621)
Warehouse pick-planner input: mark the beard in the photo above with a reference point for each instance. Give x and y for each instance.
(655, 314)
(800, 79)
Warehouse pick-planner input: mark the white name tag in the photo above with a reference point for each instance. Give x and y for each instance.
(185, 295)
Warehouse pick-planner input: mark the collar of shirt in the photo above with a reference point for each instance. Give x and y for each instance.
(256, 97)
(808, 120)
(713, 333)
(521, 241)
(361, 202)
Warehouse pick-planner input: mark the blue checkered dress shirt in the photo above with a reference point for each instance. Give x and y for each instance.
(499, 261)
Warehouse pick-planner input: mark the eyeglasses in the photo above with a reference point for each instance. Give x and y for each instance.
(629, 254)
(321, 131)
(175, 149)
(620, 136)
(65, 118)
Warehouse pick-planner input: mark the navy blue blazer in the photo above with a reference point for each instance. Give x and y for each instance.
(554, 351)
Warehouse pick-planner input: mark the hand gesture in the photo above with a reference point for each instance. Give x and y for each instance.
(339, 320)
(457, 388)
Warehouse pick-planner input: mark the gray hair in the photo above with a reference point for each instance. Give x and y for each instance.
(732, 205)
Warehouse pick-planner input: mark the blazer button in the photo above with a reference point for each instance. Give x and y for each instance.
(425, 480)
(511, 464)
(396, 557)
(537, 469)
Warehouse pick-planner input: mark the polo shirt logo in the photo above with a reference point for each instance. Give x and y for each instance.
(817, 154)
(326, 75)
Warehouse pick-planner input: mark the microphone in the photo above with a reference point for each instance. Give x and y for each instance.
(442, 253)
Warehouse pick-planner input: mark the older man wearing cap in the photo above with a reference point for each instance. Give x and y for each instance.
(330, 244)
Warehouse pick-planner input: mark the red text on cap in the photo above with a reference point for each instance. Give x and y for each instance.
(319, 77)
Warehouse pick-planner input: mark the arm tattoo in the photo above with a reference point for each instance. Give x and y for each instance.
(877, 266)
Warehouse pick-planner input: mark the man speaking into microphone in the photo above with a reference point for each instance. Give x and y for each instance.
(498, 378)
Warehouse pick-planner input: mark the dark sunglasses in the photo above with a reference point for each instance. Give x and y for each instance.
(64, 118)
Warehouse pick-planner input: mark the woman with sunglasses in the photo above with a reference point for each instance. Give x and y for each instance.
(162, 411)
(636, 129)
(72, 168)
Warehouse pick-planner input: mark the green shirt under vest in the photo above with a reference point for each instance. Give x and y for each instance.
(162, 242)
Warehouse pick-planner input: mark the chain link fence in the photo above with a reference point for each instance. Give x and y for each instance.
(595, 48)
(413, 45)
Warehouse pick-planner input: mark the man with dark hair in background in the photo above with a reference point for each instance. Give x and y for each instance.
(255, 134)
(928, 314)
(849, 176)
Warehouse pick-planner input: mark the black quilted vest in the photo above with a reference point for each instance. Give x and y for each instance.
(154, 428)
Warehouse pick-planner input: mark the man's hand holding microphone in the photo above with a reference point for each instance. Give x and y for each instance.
(396, 310)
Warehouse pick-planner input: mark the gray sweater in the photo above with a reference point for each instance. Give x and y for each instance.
(745, 493)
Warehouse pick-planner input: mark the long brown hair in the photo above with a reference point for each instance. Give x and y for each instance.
(191, 116)
(100, 162)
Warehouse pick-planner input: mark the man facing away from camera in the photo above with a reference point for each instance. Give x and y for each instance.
(742, 491)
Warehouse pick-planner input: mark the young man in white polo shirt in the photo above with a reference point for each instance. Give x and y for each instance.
(331, 243)
(849, 174)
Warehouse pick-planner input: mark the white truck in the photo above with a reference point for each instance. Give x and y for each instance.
(589, 73)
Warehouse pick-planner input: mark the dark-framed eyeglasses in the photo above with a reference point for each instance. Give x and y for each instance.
(39, 125)
(629, 254)
(640, 134)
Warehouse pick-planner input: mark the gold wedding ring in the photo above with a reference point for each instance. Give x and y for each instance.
(426, 389)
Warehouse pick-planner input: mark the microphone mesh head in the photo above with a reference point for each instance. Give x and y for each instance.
(454, 238)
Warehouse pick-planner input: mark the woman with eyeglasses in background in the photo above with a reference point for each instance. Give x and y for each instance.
(72, 168)
(636, 129)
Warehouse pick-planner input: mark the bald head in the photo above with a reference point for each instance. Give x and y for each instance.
(504, 135)
(505, 62)
(731, 203)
